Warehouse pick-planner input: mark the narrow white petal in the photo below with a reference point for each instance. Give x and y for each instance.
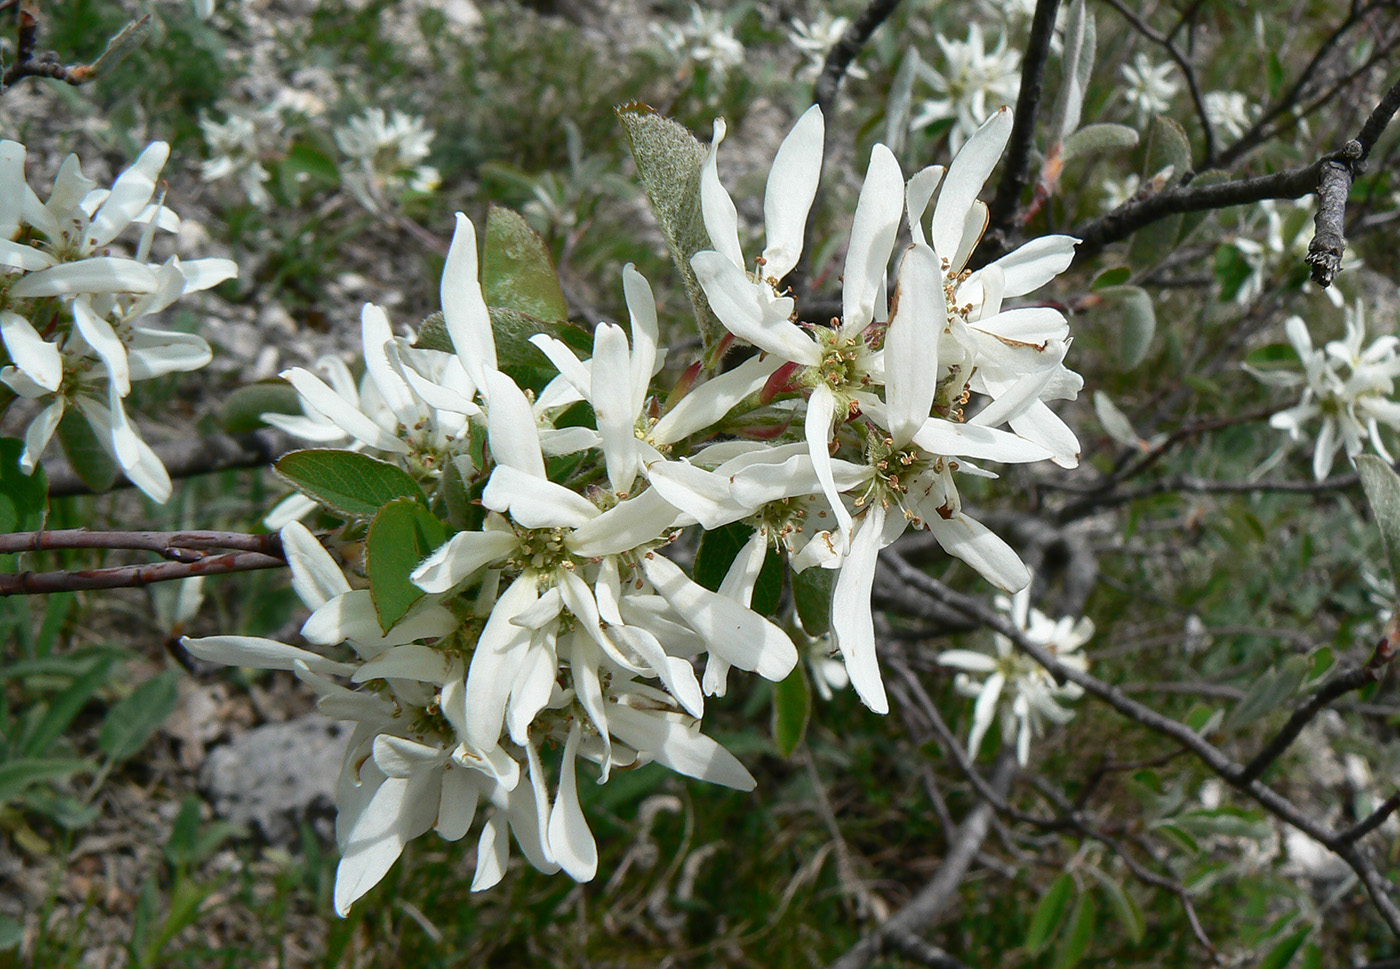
(873, 230)
(626, 525)
(38, 435)
(316, 578)
(852, 625)
(911, 343)
(460, 557)
(716, 207)
(570, 840)
(611, 395)
(98, 274)
(105, 343)
(965, 178)
(917, 195)
(646, 334)
(511, 428)
(38, 359)
(967, 659)
(740, 635)
(487, 684)
(939, 436)
(984, 711)
(715, 398)
(317, 397)
(980, 548)
(1036, 263)
(792, 185)
(821, 410)
(262, 654)
(463, 307)
(411, 661)
(741, 307)
(683, 749)
(460, 793)
(534, 502)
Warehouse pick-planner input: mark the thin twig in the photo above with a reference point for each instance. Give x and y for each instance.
(133, 576)
(1017, 161)
(179, 546)
(839, 58)
(1372, 821)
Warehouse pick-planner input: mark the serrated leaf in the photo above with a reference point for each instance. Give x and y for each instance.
(132, 720)
(792, 708)
(1079, 933)
(1049, 914)
(1382, 487)
(89, 459)
(401, 535)
(1130, 322)
(23, 772)
(243, 409)
(1093, 139)
(24, 498)
(1115, 422)
(811, 593)
(1284, 951)
(669, 159)
(1167, 145)
(350, 484)
(1278, 685)
(516, 270)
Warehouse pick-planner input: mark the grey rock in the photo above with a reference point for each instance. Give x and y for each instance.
(276, 776)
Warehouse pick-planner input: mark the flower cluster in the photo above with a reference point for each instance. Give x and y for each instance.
(1150, 87)
(974, 80)
(1348, 387)
(384, 155)
(1016, 687)
(550, 626)
(77, 318)
(706, 39)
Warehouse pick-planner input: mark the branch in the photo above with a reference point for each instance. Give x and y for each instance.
(133, 576)
(31, 62)
(177, 546)
(1371, 822)
(1210, 755)
(934, 897)
(1016, 173)
(839, 58)
(1335, 688)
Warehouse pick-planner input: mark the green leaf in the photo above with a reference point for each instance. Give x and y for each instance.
(516, 271)
(306, 159)
(243, 409)
(1154, 242)
(1278, 685)
(792, 708)
(1115, 422)
(1124, 909)
(351, 484)
(132, 720)
(1227, 821)
(1203, 718)
(511, 329)
(62, 709)
(668, 160)
(1282, 953)
(1045, 922)
(1274, 356)
(1167, 144)
(718, 549)
(1231, 271)
(1382, 486)
(1080, 932)
(1095, 138)
(1077, 66)
(90, 461)
(401, 535)
(811, 593)
(24, 498)
(1113, 276)
(11, 933)
(22, 772)
(191, 839)
(1129, 321)
(1178, 836)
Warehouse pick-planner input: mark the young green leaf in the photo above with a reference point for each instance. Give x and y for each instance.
(1080, 932)
(24, 498)
(243, 409)
(1045, 922)
(668, 160)
(401, 536)
(22, 772)
(88, 458)
(792, 708)
(811, 593)
(516, 271)
(350, 484)
(1283, 952)
(1382, 486)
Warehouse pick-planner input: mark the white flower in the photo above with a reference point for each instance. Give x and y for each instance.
(705, 39)
(384, 155)
(1349, 388)
(1017, 687)
(1228, 111)
(815, 39)
(973, 83)
(237, 146)
(1150, 86)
